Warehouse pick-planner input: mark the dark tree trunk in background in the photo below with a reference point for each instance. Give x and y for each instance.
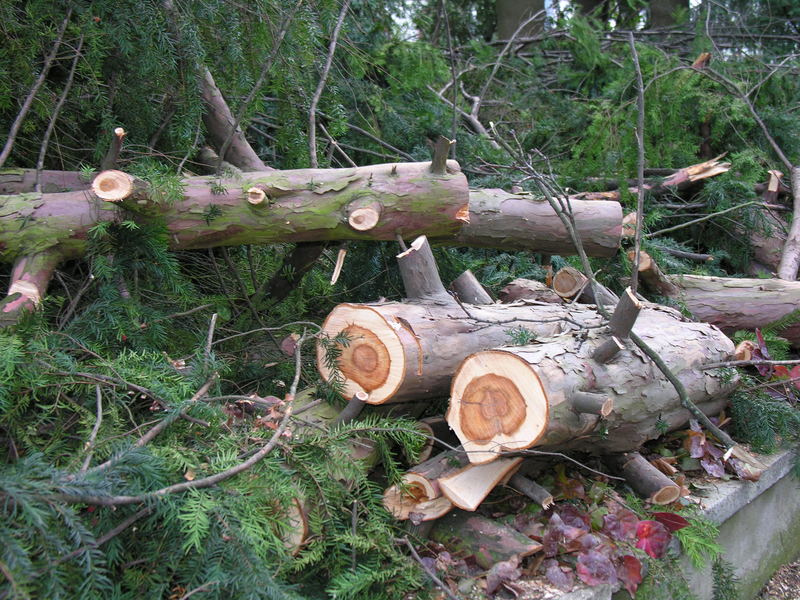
(511, 13)
(662, 12)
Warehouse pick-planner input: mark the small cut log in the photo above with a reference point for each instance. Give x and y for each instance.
(489, 542)
(517, 397)
(532, 490)
(645, 479)
(570, 283)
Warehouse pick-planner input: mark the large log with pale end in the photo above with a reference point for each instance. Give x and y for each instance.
(731, 304)
(518, 397)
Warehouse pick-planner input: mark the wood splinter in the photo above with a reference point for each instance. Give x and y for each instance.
(592, 403)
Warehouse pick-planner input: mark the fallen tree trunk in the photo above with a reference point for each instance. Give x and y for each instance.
(21, 181)
(518, 397)
(376, 203)
(730, 304)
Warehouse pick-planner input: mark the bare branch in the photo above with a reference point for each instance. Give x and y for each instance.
(312, 111)
(23, 111)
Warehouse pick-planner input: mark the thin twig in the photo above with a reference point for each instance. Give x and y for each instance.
(639, 163)
(312, 111)
(267, 65)
(748, 363)
(701, 219)
(95, 430)
(26, 106)
(210, 338)
(211, 480)
(54, 116)
(428, 571)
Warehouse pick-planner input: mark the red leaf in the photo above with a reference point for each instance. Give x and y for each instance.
(795, 375)
(502, 572)
(630, 573)
(781, 372)
(653, 538)
(574, 517)
(289, 344)
(595, 569)
(671, 521)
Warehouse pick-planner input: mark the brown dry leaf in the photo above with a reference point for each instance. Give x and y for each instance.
(189, 475)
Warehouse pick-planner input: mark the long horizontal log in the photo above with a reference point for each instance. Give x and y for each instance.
(375, 203)
(402, 351)
(731, 304)
(499, 219)
(514, 398)
(21, 181)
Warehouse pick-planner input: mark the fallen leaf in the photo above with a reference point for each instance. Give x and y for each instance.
(289, 344)
(502, 572)
(652, 537)
(671, 521)
(561, 577)
(629, 572)
(189, 475)
(595, 569)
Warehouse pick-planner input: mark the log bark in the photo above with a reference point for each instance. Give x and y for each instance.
(21, 181)
(730, 304)
(403, 351)
(305, 204)
(499, 219)
(489, 542)
(518, 397)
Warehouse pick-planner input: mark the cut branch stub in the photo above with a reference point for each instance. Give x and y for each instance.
(441, 150)
(469, 289)
(366, 217)
(592, 403)
(420, 273)
(256, 196)
(620, 325)
(113, 186)
(645, 479)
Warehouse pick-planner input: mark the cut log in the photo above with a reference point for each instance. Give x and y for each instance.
(570, 283)
(467, 487)
(730, 304)
(529, 289)
(645, 479)
(498, 219)
(518, 397)
(469, 290)
(405, 351)
(467, 534)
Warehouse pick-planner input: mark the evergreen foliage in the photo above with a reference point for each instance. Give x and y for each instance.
(131, 322)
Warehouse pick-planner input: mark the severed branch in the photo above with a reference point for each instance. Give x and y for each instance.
(211, 480)
(639, 164)
(312, 111)
(54, 116)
